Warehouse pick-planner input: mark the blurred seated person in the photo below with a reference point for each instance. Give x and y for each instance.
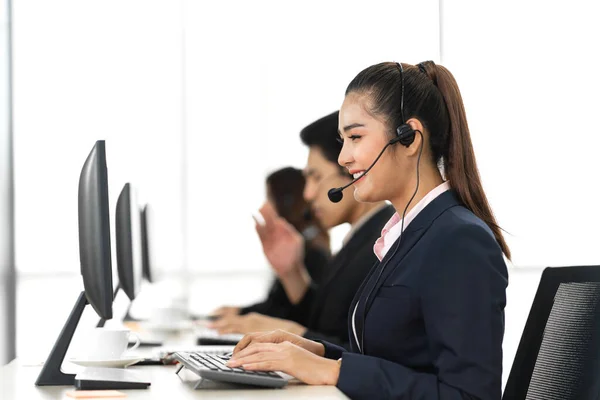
(320, 309)
(284, 194)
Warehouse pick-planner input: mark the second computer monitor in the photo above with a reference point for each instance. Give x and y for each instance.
(147, 219)
(129, 245)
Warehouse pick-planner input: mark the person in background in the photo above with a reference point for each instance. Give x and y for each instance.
(320, 309)
(428, 321)
(284, 193)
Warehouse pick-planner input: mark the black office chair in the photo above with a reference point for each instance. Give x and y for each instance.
(559, 353)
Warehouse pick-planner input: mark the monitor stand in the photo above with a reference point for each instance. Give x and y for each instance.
(51, 374)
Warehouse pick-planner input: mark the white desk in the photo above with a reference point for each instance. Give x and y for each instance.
(17, 382)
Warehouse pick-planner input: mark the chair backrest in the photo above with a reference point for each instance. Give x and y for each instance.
(559, 353)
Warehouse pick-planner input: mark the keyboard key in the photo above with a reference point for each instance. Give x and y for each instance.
(207, 361)
(200, 364)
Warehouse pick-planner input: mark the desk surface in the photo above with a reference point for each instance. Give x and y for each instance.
(17, 382)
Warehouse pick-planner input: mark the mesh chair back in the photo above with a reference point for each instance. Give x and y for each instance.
(558, 355)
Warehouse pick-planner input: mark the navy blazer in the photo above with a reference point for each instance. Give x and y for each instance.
(434, 321)
(324, 307)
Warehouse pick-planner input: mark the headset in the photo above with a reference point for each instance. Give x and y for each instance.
(405, 134)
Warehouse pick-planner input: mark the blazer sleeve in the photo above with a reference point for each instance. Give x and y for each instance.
(301, 311)
(332, 351)
(331, 339)
(462, 291)
(316, 261)
(275, 305)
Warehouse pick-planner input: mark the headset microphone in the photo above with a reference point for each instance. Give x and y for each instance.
(335, 195)
(406, 135)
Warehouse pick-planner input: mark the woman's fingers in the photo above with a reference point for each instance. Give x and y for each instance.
(264, 366)
(260, 229)
(253, 349)
(228, 329)
(220, 323)
(269, 214)
(276, 336)
(256, 353)
(227, 324)
(245, 342)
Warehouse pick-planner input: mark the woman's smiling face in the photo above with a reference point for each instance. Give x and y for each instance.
(364, 136)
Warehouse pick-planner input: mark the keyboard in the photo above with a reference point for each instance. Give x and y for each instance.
(211, 366)
(210, 337)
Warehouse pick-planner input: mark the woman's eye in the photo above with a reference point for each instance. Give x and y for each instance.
(351, 137)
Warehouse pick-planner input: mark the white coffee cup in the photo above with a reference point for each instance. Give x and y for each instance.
(107, 344)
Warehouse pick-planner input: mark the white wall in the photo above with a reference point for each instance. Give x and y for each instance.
(86, 71)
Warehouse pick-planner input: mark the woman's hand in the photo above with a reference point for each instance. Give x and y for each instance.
(284, 248)
(282, 244)
(254, 322)
(280, 336)
(225, 311)
(289, 358)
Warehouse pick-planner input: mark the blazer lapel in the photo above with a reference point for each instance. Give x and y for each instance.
(357, 296)
(410, 237)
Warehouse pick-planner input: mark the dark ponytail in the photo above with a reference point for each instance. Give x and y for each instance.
(432, 96)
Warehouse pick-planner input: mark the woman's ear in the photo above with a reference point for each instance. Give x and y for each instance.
(416, 125)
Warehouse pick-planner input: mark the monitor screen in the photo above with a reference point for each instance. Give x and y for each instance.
(94, 232)
(147, 242)
(129, 242)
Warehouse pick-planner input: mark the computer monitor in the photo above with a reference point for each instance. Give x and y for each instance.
(129, 242)
(95, 260)
(147, 220)
(129, 252)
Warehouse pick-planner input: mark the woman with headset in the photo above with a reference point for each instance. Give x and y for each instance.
(428, 321)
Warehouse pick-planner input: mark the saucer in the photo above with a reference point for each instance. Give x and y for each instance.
(118, 363)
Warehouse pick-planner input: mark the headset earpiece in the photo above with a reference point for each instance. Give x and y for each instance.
(405, 135)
